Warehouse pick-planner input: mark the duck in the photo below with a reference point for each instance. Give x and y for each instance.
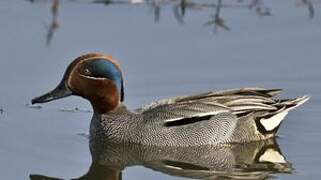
(220, 117)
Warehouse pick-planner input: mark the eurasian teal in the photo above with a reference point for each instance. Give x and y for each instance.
(215, 117)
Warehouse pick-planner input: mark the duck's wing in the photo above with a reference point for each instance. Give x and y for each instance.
(226, 108)
(202, 106)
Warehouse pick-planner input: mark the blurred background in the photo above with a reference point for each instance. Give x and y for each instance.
(166, 48)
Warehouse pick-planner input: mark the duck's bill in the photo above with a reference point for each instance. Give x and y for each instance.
(59, 92)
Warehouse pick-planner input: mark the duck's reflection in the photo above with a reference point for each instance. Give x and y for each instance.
(257, 160)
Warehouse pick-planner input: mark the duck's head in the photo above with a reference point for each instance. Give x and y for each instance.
(96, 77)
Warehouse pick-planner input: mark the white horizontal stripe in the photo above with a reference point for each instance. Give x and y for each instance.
(196, 115)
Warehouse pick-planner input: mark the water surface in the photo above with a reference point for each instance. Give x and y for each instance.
(165, 50)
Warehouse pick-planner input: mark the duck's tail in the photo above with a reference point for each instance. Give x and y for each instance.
(270, 122)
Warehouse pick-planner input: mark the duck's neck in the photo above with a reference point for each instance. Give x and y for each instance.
(103, 95)
(104, 104)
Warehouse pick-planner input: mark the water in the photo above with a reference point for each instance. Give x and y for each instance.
(167, 57)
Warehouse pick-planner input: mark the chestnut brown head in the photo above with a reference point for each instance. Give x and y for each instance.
(96, 77)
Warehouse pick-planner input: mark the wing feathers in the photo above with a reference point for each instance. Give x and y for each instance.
(219, 97)
(183, 110)
(240, 102)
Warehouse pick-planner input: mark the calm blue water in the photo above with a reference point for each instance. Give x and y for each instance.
(159, 59)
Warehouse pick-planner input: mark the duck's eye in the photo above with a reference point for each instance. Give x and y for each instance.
(87, 71)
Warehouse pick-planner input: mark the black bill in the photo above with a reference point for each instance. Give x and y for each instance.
(60, 91)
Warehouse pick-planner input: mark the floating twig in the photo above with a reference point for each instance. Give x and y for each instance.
(85, 135)
(74, 110)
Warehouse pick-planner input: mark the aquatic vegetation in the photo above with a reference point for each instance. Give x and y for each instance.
(180, 9)
(54, 23)
(1, 110)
